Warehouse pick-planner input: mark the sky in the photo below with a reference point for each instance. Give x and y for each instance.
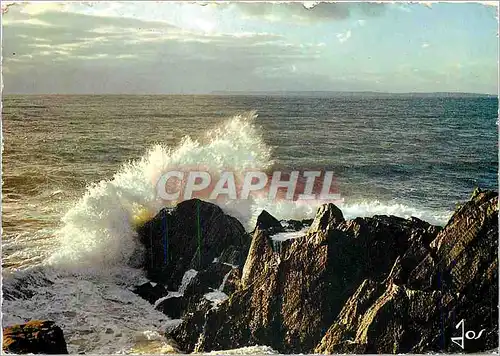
(195, 48)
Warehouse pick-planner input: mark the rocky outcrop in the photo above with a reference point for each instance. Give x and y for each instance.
(327, 218)
(191, 236)
(24, 284)
(287, 299)
(34, 337)
(266, 221)
(192, 251)
(296, 225)
(431, 288)
(369, 285)
(150, 291)
(218, 276)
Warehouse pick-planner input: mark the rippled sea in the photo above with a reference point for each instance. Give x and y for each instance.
(396, 155)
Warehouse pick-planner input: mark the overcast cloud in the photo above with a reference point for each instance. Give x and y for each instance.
(188, 48)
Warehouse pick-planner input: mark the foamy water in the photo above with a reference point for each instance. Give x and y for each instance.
(99, 229)
(97, 314)
(91, 265)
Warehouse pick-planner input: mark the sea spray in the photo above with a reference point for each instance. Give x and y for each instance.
(100, 228)
(188, 276)
(306, 209)
(353, 209)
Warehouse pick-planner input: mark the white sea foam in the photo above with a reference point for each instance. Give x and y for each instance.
(289, 235)
(99, 229)
(96, 314)
(250, 350)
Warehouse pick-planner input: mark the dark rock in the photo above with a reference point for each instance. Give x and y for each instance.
(467, 238)
(266, 221)
(307, 222)
(193, 249)
(287, 299)
(211, 279)
(149, 292)
(327, 218)
(35, 337)
(232, 282)
(173, 306)
(293, 225)
(232, 318)
(192, 326)
(217, 277)
(428, 294)
(190, 236)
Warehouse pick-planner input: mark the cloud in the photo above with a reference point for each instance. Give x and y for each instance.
(298, 13)
(58, 50)
(494, 3)
(80, 53)
(343, 37)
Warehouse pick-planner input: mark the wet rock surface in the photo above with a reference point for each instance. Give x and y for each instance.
(288, 298)
(218, 278)
(34, 337)
(266, 221)
(25, 284)
(369, 285)
(191, 250)
(190, 236)
(150, 291)
(418, 307)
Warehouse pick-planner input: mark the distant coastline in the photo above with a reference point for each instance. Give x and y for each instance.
(353, 93)
(316, 94)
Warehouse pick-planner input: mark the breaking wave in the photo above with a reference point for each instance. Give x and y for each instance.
(100, 228)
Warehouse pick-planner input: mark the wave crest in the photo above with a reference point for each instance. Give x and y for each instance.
(99, 228)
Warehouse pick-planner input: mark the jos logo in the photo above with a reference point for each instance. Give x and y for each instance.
(469, 335)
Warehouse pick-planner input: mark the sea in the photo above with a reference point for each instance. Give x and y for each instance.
(78, 176)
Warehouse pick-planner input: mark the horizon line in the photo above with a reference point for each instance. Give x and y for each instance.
(265, 92)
